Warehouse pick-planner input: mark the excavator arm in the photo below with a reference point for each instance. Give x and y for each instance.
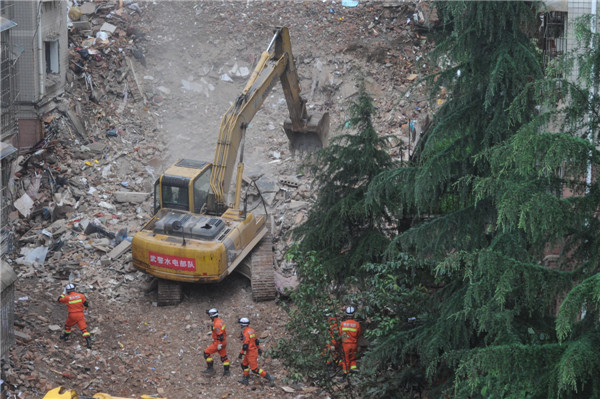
(305, 132)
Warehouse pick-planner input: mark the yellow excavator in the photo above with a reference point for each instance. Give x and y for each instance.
(194, 235)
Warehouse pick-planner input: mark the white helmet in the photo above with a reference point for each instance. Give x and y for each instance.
(70, 287)
(244, 322)
(212, 312)
(350, 311)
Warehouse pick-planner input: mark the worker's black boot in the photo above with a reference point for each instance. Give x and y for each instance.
(271, 379)
(89, 342)
(65, 337)
(244, 380)
(226, 372)
(209, 368)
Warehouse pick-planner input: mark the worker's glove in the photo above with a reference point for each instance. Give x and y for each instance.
(259, 352)
(241, 356)
(219, 347)
(85, 312)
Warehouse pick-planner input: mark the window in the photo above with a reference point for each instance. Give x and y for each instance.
(201, 190)
(156, 195)
(51, 52)
(553, 28)
(175, 197)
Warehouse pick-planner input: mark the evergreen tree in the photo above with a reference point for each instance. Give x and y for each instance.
(342, 230)
(340, 234)
(466, 300)
(542, 186)
(489, 302)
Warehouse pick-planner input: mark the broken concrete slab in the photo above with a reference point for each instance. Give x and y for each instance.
(22, 336)
(34, 255)
(82, 25)
(106, 27)
(285, 285)
(88, 8)
(297, 205)
(97, 147)
(79, 126)
(119, 250)
(24, 205)
(130, 196)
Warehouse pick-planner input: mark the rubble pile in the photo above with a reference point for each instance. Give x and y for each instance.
(82, 188)
(83, 191)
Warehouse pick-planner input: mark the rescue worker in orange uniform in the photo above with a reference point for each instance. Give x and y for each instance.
(76, 305)
(250, 352)
(219, 336)
(350, 332)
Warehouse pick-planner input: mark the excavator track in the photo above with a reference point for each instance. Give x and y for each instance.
(169, 293)
(262, 273)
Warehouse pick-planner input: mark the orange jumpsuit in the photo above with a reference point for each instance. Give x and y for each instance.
(350, 331)
(250, 347)
(219, 336)
(76, 304)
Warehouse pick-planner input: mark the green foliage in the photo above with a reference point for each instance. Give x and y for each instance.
(303, 349)
(489, 59)
(342, 232)
(488, 294)
(530, 173)
(586, 295)
(511, 371)
(465, 300)
(341, 227)
(307, 315)
(393, 299)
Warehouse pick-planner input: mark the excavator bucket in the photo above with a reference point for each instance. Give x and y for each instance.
(308, 138)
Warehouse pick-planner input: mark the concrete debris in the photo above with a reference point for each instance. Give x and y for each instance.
(285, 285)
(24, 205)
(131, 197)
(119, 250)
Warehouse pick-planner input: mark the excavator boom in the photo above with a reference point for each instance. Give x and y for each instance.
(306, 133)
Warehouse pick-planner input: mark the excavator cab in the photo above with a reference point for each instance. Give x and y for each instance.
(184, 186)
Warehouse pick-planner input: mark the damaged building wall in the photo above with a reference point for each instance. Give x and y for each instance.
(42, 32)
(8, 58)
(8, 128)
(7, 306)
